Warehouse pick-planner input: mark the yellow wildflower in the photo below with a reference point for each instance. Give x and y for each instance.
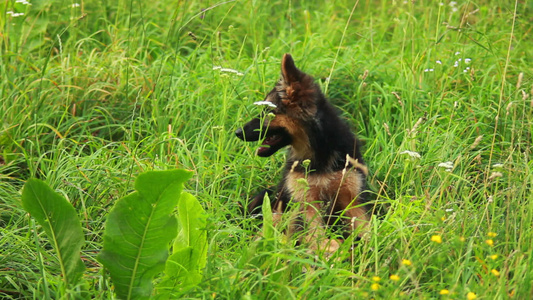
(495, 272)
(394, 277)
(489, 242)
(471, 296)
(437, 239)
(444, 292)
(492, 234)
(376, 278)
(406, 262)
(494, 256)
(374, 286)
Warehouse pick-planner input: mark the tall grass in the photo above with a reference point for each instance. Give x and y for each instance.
(93, 94)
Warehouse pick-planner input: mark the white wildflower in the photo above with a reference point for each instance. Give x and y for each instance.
(14, 14)
(75, 5)
(457, 53)
(447, 165)
(497, 166)
(468, 60)
(228, 70)
(439, 61)
(411, 153)
(268, 103)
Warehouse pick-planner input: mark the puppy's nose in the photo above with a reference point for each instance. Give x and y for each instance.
(239, 133)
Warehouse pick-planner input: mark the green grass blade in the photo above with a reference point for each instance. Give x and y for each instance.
(139, 230)
(61, 224)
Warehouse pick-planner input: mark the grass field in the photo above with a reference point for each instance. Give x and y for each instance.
(93, 94)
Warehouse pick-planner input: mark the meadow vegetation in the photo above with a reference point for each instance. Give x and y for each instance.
(95, 93)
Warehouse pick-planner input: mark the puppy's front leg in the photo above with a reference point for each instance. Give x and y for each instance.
(316, 236)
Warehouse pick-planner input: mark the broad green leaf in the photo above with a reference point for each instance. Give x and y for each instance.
(60, 223)
(192, 223)
(184, 267)
(139, 230)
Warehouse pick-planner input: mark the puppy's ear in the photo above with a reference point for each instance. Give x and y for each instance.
(296, 89)
(289, 72)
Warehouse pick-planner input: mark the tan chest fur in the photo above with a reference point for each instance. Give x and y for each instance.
(345, 184)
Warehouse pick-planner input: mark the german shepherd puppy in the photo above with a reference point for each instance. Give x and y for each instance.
(325, 173)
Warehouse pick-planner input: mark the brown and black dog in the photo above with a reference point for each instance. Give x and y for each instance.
(325, 173)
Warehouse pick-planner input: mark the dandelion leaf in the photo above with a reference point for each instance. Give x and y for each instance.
(139, 230)
(184, 267)
(60, 222)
